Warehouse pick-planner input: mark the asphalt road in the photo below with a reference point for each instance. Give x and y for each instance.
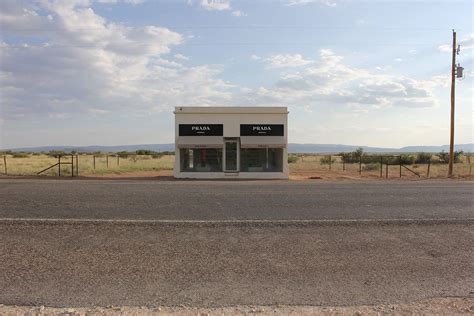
(384, 243)
(121, 264)
(227, 200)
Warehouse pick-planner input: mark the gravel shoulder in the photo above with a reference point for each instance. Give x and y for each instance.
(436, 306)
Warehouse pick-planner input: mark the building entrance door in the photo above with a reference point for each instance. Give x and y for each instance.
(231, 154)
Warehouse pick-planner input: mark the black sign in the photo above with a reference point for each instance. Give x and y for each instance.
(201, 130)
(261, 130)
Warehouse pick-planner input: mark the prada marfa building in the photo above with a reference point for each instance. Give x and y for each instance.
(231, 142)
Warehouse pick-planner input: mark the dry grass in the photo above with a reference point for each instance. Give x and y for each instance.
(305, 166)
(310, 165)
(34, 163)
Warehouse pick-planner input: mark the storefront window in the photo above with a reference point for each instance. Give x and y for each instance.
(261, 159)
(201, 159)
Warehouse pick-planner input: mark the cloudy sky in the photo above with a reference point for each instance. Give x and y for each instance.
(109, 72)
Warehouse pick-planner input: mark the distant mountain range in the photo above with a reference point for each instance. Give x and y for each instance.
(293, 148)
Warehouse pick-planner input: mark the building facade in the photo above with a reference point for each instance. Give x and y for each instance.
(231, 142)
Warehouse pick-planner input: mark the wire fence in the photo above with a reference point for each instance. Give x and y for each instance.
(303, 165)
(21, 164)
(381, 166)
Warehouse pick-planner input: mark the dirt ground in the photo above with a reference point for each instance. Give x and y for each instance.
(438, 306)
(295, 174)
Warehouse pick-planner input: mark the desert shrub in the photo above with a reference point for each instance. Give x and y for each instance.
(444, 156)
(6, 152)
(358, 152)
(292, 159)
(370, 159)
(403, 159)
(371, 166)
(20, 155)
(325, 160)
(353, 156)
(124, 154)
(36, 154)
(407, 159)
(146, 152)
(56, 153)
(423, 157)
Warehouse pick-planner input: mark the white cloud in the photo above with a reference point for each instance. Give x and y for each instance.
(86, 64)
(218, 5)
(238, 13)
(287, 60)
(330, 82)
(118, 1)
(255, 57)
(466, 43)
(181, 56)
(398, 59)
(305, 2)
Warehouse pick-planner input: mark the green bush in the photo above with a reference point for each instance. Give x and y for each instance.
(292, 159)
(20, 155)
(56, 153)
(370, 159)
(352, 157)
(423, 158)
(146, 152)
(407, 159)
(371, 166)
(444, 156)
(325, 160)
(124, 154)
(403, 159)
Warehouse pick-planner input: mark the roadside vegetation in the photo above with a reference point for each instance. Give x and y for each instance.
(349, 164)
(26, 163)
(434, 165)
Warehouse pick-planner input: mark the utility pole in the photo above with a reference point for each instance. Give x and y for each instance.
(453, 84)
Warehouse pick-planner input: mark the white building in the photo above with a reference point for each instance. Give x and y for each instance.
(231, 142)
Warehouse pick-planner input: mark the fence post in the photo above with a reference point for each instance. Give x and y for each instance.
(343, 163)
(59, 165)
(428, 171)
(5, 163)
(329, 162)
(118, 160)
(360, 165)
(94, 161)
(468, 161)
(72, 166)
(107, 160)
(400, 163)
(381, 166)
(77, 165)
(386, 170)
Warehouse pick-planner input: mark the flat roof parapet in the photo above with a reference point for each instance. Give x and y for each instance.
(231, 110)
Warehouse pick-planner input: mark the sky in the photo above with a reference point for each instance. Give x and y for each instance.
(110, 72)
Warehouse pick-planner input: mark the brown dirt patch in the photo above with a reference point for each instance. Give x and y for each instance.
(437, 306)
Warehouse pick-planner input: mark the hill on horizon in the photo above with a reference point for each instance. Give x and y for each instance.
(292, 148)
